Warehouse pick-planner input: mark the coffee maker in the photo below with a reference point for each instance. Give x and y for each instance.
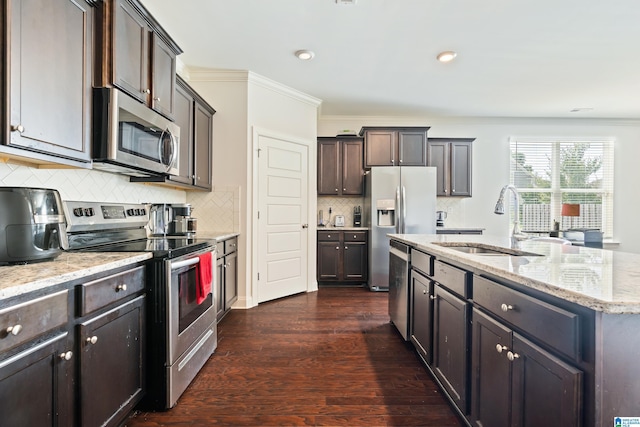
(357, 216)
(440, 217)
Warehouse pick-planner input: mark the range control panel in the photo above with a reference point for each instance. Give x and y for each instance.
(83, 216)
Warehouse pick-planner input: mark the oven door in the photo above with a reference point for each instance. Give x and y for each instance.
(187, 319)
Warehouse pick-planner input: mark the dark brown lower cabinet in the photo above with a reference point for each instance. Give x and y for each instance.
(227, 276)
(40, 379)
(111, 364)
(450, 345)
(517, 383)
(421, 322)
(342, 256)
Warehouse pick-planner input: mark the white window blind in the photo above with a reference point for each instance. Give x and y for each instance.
(550, 172)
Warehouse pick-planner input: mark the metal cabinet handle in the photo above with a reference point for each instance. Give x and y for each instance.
(328, 236)
(18, 128)
(14, 330)
(336, 190)
(66, 356)
(355, 237)
(344, 189)
(500, 348)
(92, 340)
(337, 247)
(433, 297)
(146, 90)
(506, 307)
(512, 356)
(156, 99)
(346, 247)
(228, 264)
(424, 291)
(122, 287)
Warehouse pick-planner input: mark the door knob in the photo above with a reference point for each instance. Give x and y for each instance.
(305, 225)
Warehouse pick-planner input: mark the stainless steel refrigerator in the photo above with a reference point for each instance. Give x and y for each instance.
(400, 200)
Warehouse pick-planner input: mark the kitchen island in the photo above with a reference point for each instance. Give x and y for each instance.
(533, 334)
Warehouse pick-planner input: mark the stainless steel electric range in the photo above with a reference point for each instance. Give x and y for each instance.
(181, 325)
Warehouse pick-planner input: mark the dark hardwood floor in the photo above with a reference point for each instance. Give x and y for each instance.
(328, 358)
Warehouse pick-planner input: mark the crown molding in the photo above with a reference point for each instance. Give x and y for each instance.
(249, 77)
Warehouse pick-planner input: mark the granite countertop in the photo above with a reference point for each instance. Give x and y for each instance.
(599, 279)
(19, 279)
(220, 236)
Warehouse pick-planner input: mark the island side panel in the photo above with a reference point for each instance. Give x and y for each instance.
(617, 369)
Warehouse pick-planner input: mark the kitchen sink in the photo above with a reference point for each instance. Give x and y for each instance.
(482, 249)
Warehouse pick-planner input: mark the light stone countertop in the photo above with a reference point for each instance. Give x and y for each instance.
(600, 279)
(20, 279)
(220, 236)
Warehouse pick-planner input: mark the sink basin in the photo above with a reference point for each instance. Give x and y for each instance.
(482, 249)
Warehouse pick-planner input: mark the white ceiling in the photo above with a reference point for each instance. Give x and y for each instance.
(516, 58)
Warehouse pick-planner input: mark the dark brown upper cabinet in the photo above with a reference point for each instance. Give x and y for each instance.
(340, 171)
(136, 55)
(46, 80)
(195, 118)
(395, 146)
(453, 158)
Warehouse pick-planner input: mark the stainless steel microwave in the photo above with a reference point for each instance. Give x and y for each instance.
(131, 138)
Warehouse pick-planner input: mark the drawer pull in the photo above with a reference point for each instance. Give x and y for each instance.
(92, 340)
(433, 297)
(328, 236)
(66, 356)
(14, 330)
(122, 287)
(500, 348)
(506, 307)
(346, 247)
(424, 291)
(18, 128)
(512, 356)
(337, 247)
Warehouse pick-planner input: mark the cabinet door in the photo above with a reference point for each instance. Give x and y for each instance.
(546, 391)
(329, 256)
(421, 323)
(412, 148)
(354, 262)
(439, 157)
(230, 280)
(203, 130)
(36, 386)
(490, 372)
(163, 77)
(50, 76)
(131, 51)
(381, 148)
(461, 169)
(111, 348)
(450, 345)
(184, 119)
(352, 168)
(219, 296)
(329, 178)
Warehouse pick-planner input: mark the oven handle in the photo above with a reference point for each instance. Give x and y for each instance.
(186, 262)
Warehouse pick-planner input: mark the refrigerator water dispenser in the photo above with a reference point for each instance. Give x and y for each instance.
(386, 212)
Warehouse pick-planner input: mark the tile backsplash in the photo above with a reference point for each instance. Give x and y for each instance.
(218, 211)
(339, 206)
(87, 185)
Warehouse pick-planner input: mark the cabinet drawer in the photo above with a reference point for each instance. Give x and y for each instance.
(355, 236)
(31, 319)
(450, 277)
(102, 292)
(230, 245)
(328, 236)
(421, 261)
(530, 315)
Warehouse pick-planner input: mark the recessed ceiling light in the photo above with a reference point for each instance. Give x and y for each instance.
(305, 55)
(580, 109)
(446, 56)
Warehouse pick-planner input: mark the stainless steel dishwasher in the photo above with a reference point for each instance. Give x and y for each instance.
(399, 259)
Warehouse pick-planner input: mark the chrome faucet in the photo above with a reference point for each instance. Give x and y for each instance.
(516, 234)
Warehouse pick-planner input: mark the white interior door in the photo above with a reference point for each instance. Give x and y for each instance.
(282, 224)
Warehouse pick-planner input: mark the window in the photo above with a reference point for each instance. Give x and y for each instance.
(551, 172)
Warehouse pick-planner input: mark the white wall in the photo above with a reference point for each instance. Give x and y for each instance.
(491, 161)
(244, 102)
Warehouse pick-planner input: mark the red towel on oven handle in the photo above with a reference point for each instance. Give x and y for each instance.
(205, 277)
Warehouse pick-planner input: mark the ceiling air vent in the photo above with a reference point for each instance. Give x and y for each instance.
(346, 1)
